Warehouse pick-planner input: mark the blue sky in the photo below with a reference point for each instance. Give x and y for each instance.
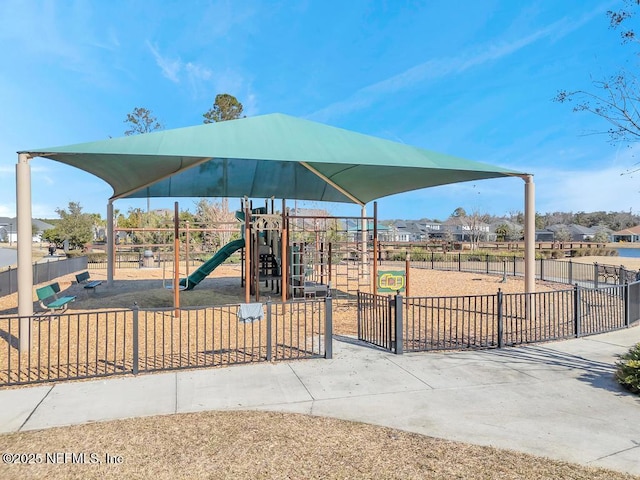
(467, 78)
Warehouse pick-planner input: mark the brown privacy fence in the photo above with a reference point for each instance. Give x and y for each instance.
(129, 341)
(494, 321)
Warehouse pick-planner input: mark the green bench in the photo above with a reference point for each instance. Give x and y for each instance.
(83, 278)
(49, 300)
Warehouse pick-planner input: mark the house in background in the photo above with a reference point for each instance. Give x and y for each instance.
(631, 235)
(466, 229)
(9, 229)
(545, 235)
(572, 233)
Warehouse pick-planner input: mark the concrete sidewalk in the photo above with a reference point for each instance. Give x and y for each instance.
(557, 400)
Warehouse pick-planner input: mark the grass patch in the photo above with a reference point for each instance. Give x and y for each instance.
(264, 445)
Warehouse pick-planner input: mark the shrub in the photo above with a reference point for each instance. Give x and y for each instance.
(628, 372)
(96, 257)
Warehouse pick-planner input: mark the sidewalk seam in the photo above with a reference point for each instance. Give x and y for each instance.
(35, 408)
(313, 400)
(637, 445)
(410, 373)
(175, 405)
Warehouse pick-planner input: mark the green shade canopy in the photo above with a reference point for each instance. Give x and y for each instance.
(266, 156)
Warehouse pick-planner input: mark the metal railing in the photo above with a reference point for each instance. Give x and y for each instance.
(129, 341)
(442, 323)
(138, 259)
(43, 271)
(494, 321)
(559, 271)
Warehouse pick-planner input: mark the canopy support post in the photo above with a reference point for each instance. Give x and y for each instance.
(364, 258)
(529, 235)
(25, 255)
(111, 242)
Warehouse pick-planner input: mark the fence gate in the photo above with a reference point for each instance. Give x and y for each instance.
(377, 321)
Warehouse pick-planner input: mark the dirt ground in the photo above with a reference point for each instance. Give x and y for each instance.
(151, 288)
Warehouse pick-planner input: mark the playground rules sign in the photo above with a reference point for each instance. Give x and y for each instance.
(391, 281)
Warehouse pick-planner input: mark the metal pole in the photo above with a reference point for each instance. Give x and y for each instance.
(328, 328)
(25, 259)
(269, 328)
(500, 320)
(398, 325)
(176, 259)
(576, 309)
(136, 353)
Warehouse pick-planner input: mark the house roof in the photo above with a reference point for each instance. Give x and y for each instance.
(629, 231)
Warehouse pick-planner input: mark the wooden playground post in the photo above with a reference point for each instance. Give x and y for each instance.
(176, 260)
(375, 247)
(247, 253)
(407, 269)
(186, 248)
(284, 241)
(256, 263)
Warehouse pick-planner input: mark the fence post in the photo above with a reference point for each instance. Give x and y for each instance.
(570, 272)
(514, 265)
(487, 258)
(500, 320)
(595, 275)
(542, 269)
(328, 328)
(431, 259)
(136, 353)
(459, 261)
(576, 309)
(269, 339)
(626, 304)
(398, 324)
(359, 309)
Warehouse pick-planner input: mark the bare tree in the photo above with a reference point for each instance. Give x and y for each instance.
(215, 215)
(141, 120)
(615, 99)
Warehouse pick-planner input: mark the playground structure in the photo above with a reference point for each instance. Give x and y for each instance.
(281, 253)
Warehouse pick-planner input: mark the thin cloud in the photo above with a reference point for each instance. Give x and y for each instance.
(170, 67)
(196, 76)
(445, 67)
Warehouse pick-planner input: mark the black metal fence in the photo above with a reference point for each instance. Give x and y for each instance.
(43, 271)
(139, 259)
(494, 321)
(129, 341)
(559, 271)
